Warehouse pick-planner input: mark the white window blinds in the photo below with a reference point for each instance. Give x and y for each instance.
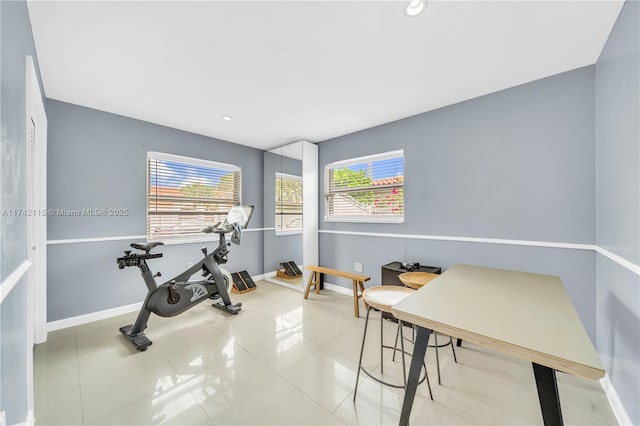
(185, 195)
(288, 202)
(367, 189)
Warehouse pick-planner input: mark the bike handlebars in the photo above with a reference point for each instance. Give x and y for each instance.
(215, 229)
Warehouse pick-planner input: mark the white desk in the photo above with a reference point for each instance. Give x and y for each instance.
(529, 316)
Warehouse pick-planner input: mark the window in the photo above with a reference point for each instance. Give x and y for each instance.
(185, 195)
(365, 189)
(288, 203)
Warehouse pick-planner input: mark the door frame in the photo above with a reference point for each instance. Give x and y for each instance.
(36, 192)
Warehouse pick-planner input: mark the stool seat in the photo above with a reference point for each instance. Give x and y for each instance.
(383, 297)
(416, 280)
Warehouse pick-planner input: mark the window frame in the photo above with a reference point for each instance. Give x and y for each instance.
(294, 231)
(362, 218)
(161, 156)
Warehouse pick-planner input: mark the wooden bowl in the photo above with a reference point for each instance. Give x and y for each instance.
(416, 279)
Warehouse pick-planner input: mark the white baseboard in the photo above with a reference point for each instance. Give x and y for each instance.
(338, 289)
(94, 316)
(262, 276)
(614, 400)
(283, 284)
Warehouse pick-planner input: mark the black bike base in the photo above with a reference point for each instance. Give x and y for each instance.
(140, 341)
(232, 309)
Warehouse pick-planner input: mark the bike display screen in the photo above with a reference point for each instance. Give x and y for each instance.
(239, 215)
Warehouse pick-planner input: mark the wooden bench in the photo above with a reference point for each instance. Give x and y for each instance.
(317, 279)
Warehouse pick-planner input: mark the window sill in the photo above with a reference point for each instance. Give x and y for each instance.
(365, 219)
(175, 241)
(289, 232)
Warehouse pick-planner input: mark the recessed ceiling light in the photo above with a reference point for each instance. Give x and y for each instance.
(415, 7)
(227, 118)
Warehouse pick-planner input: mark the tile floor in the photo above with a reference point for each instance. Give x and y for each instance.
(281, 361)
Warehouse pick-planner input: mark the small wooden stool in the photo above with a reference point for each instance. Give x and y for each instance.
(416, 280)
(382, 298)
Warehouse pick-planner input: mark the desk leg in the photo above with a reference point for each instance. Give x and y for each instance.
(419, 349)
(459, 343)
(548, 395)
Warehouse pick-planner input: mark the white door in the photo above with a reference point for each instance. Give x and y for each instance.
(36, 178)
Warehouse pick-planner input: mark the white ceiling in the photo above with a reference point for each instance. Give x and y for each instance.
(309, 70)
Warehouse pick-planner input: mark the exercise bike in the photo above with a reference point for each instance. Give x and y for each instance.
(179, 294)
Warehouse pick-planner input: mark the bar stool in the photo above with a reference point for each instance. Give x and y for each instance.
(382, 298)
(415, 281)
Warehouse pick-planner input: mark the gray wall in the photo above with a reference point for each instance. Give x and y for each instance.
(98, 160)
(618, 205)
(278, 248)
(16, 42)
(13, 371)
(516, 164)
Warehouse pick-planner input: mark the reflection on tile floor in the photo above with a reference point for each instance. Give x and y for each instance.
(281, 361)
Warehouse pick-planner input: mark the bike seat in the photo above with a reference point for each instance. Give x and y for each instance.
(146, 247)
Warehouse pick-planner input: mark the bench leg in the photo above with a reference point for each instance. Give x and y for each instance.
(306, 291)
(356, 305)
(361, 285)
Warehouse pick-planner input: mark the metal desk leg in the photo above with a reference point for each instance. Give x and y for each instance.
(548, 394)
(419, 349)
(459, 343)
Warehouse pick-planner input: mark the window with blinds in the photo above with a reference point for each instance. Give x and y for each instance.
(365, 189)
(288, 203)
(185, 195)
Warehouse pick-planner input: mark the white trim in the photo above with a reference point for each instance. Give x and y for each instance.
(94, 316)
(258, 277)
(327, 286)
(288, 176)
(297, 231)
(310, 201)
(14, 278)
(140, 237)
(283, 284)
(96, 239)
(614, 401)
(365, 219)
(338, 289)
(619, 260)
(191, 160)
(467, 239)
(549, 244)
(190, 240)
(366, 159)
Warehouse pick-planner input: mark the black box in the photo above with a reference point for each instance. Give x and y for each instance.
(391, 271)
(390, 274)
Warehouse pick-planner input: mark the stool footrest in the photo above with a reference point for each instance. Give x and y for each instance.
(420, 381)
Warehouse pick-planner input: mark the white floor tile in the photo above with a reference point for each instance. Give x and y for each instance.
(60, 408)
(275, 403)
(282, 360)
